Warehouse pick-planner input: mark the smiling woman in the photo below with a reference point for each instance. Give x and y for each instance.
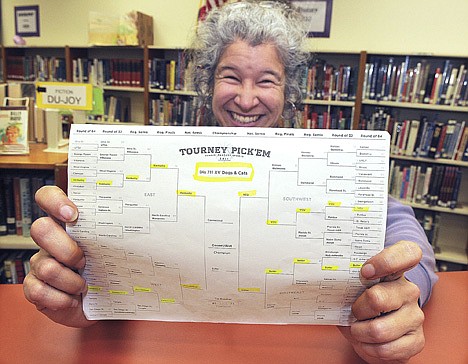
(249, 86)
(248, 57)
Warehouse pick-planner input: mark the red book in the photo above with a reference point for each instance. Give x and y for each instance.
(441, 141)
(314, 118)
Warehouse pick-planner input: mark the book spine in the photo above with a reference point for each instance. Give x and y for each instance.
(456, 189)
(26, 205)
(17, 204)
(3, 209)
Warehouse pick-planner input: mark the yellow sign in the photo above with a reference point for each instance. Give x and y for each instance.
(64, 95)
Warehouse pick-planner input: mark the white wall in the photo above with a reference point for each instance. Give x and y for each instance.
(65, 22)
(398, 26)
(386, 26)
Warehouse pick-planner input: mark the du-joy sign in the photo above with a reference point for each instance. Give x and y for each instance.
(64, 95)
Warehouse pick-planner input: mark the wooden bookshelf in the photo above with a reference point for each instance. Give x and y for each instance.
(36, 159)
(142, 98)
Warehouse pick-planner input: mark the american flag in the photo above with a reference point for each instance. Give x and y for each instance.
(206, 6)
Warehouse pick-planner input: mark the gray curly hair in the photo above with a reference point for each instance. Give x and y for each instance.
(255, 23)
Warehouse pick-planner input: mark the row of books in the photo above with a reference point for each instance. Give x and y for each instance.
(170, 74)
(17, 206)
(108, 72)
(421, 138)
(14, 265)
(324, 81)
(310, 118)
(175, 110)
(431, 139)
(416, 81)
(36, 68)
(433, 185)
(117, 108)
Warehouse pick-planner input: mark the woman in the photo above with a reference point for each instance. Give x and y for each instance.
(247, 56)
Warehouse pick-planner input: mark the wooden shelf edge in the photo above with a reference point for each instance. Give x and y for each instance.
(17, 242)
(452, 256)
(410, 105)
(430, 160)
(462, 210)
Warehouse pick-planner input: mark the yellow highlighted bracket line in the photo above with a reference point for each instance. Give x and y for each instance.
(191, 286)
(248, 289)
(132, 177)
(330, 267)
(186, 193)
(168, 300)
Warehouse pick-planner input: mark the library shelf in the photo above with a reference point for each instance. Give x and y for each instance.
(452, 255)
(461, 209)
(17, 242)
(175, 92)
(144, 99)
(37, 160)
(329, 102)
(419, 106)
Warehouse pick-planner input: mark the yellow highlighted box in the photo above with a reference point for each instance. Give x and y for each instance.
(273, 271)
(360, 208)
(94, 289)
(355, 265)
(303, 210)
(223, 172)
(167, 300)
(301, 261)
(186, 193)
(78, 180)
(334, 203)
(154, 165)
(142, 289)
(104, 183)
(132, 177)
(330, 267)
(272, 222)
(247, 193)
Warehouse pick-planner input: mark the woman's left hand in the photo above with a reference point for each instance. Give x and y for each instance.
(389, 326)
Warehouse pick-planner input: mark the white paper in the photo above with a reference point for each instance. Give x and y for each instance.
(246, 225)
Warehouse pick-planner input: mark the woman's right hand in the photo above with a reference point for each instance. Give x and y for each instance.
(53, 284)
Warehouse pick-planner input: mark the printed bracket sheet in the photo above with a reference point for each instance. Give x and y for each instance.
(245, 225)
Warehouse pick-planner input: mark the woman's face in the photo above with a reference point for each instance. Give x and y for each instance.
(249, 86)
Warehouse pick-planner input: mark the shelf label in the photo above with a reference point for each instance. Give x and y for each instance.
(64, 95)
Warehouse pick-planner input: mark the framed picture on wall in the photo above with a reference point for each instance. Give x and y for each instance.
(27, 21)
(317, 14)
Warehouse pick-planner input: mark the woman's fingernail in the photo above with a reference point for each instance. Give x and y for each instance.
(68, 213)
(368, 270)
(81, 263)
